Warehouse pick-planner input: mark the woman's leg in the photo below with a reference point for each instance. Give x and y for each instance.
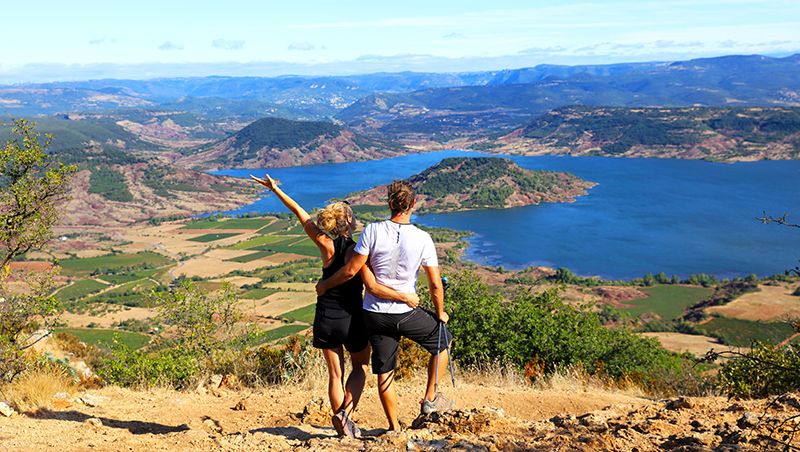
(356, 380)
(334, 358)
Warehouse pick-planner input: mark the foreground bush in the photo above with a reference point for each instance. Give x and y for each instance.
(540, 328)
(765, 370)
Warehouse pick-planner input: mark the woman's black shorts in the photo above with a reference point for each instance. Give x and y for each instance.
(385, 330)
(339, 328)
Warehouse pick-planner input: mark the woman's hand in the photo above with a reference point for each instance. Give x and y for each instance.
(268, 182)
(411, 299)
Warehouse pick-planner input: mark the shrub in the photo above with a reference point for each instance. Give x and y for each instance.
(411, 358)
(172, 367)
(541, 328)
(765, 370)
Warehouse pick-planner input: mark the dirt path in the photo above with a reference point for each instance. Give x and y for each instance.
(292, 419)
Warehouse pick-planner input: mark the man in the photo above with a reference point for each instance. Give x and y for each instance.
(395, 250)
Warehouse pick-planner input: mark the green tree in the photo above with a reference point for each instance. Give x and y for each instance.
(32, 184)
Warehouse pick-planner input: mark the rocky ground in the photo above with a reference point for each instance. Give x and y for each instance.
(486, 418)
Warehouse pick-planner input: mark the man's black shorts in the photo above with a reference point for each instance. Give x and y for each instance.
(340, 329)
(385, 330)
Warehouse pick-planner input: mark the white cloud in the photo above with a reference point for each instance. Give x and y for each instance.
(227, 44)
(101, 41)
(542, 50)
(455, 36)
(301, 46)
(169, 45)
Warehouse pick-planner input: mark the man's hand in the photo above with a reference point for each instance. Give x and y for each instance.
(411, 299)
(443, 317)
(321, 287)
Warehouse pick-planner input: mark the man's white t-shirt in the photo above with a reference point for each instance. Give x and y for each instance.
(395, 253)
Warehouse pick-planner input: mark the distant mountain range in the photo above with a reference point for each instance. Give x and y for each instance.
(445, 113)
(491, 99)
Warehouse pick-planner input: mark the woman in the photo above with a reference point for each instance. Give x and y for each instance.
(338, 320)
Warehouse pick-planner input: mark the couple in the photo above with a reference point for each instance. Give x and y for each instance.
(394, 250)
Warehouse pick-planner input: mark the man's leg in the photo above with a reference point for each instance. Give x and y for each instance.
(430, 389)
(388, 397)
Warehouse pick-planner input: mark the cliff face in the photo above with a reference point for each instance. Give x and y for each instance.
(463, 183)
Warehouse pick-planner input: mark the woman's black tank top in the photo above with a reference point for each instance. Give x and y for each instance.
(344, 299)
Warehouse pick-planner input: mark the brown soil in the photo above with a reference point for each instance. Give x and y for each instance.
(485, 419)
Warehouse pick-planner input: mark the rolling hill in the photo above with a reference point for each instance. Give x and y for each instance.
(277, 142)
(711, 133)
(468, 183)
(114, 188)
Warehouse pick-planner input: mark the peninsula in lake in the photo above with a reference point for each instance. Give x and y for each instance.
(469, 183)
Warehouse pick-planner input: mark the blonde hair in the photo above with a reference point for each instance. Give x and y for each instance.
(401, 196)
(334, 218)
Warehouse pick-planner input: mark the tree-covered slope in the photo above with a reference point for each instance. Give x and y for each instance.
(464, 183)
(114, 188)
(278, 142)
(713, 133)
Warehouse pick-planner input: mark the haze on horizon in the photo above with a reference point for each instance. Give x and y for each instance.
(50, 40)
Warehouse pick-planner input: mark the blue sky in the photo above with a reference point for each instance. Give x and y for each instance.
(77, 40)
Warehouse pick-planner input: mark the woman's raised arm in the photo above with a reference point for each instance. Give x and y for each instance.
(305, 219)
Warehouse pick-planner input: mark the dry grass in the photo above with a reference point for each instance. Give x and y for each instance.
(36, 389)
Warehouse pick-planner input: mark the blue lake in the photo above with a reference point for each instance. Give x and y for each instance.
(645, 215)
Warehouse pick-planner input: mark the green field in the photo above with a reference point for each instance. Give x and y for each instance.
(738, 332)
(76, 266)
(667, 300)
(258, 241)
(244, 223)
(257, 294)
(79, 289)
(303, 247)
(128, 277)
(98, 336)
(304, 314)
(131, 294)
(296, 230)
(213, 237)
(277, 226)
(250, 257)
(280, 333)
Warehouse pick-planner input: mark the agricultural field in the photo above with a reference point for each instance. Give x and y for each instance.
(109, 262)
(275, 266)
(770, 303)
(740, 332)
(666, 300)
(79, 289)
(147, 259)
(98, 336)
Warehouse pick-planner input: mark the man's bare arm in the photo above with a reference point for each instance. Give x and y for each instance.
(437, 292)
(344, 274)
(385, 292)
